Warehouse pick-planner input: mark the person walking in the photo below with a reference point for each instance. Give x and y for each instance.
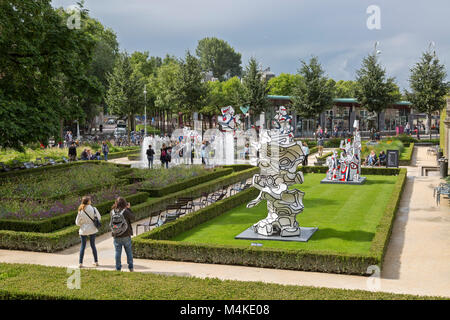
(203, 152)
(306, 152)
(320, 143)
(105, 150)
(150, 154)
(85, 220)
(164, 156)
(72, 152)
(122, 230)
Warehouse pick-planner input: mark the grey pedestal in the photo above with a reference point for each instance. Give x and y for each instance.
(361, 181)
(305, 235)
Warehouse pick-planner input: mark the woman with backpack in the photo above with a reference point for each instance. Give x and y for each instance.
(88, 219)
(121, 218)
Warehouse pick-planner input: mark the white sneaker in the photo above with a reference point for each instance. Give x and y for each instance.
(80, 265)
(95, 264)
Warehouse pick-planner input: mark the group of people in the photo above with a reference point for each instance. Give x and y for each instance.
(87, 153)
(122, 216)
(373, 160)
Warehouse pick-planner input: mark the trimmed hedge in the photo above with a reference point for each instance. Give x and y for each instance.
(156, 244)
(67, 237)
(160, 192)
(122, 154)
(364, 170)
(62, 221)
(405, 157)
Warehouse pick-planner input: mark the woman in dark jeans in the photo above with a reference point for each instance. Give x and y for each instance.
(85, 220)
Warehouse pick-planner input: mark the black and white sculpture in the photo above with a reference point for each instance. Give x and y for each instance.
(279, 159)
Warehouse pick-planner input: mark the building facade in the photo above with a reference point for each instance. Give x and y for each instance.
(345, 111)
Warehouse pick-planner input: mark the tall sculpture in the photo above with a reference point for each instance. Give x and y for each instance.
(279, 158)
(347, 167)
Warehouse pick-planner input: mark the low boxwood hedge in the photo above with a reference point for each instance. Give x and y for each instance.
(156, 244)
(405, 157)
(364, 170)
(122, 154)
(62, 221)
(160, 192)
(67, 237)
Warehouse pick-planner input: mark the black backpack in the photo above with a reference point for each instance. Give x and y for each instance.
(119, 224)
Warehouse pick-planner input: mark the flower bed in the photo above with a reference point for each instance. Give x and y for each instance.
(159, 178)
(55, 183)
(185, 183)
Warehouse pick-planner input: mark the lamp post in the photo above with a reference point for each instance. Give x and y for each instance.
(145, 110)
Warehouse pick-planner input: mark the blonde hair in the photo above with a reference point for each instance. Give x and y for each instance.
(84, 202)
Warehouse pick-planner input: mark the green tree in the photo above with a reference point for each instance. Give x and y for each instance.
(284, 84)
(191, 91)
(255, 88)
(345, 89)
(233, 93)
(125, 93)
(219, 57)
(163, 88)
(375, 91)
(315, 92)
(145, 64)
(38, 51)
(428, 85)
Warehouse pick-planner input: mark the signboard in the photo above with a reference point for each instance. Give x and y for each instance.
(392, 158)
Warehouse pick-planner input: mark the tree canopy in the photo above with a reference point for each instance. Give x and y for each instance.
(375, 91)
(314, 93)
(38, 51)
(219, 57)
(428, 85)
(284, 84)
(255, 88)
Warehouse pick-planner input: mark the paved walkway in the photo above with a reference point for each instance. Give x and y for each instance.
(417, 260)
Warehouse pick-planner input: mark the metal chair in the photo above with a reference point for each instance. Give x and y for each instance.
(186, 202)
(150, 223)
(443, 188)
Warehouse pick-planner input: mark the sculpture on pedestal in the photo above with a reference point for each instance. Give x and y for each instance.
(279, 158)
(347, 167)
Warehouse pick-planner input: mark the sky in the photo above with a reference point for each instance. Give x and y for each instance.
(282, 33)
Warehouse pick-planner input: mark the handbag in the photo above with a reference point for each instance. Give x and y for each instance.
(96, 222)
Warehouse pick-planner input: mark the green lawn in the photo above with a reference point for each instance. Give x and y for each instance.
(346, 215)
(19, 281)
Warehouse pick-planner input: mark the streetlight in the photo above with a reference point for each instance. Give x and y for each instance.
(375, 51)
(145, 110)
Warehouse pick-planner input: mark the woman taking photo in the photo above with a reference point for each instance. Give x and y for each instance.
(85, 220)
